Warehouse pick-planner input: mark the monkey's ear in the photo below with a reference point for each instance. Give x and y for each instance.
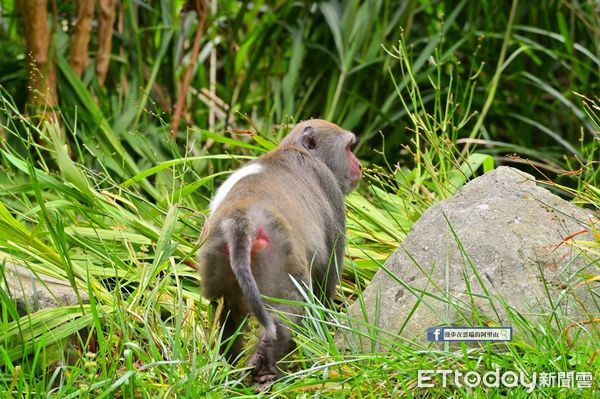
(308, 138)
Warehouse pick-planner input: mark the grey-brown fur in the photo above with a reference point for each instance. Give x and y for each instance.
(298, 201)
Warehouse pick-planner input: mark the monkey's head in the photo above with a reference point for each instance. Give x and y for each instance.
(332, 145)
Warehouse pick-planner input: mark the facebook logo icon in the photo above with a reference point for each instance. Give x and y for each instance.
(435, 334)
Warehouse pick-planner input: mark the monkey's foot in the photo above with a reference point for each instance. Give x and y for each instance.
(264, 372)
(263, 386)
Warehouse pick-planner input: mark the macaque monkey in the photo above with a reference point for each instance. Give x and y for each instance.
(277, 219)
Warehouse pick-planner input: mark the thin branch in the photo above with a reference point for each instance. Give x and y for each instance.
(185, 84)
(212, 75)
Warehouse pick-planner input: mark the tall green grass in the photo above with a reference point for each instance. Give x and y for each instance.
(108, 203)
(286, 61)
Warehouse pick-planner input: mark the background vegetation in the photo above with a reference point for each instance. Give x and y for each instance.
(110, 152)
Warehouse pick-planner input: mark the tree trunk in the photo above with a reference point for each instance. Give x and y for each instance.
(81, 36)
(42, 70)
(106, 22)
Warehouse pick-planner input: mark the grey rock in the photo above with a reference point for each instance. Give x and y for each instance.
(480, 258)
(33, 292)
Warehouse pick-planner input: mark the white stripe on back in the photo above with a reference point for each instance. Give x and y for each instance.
(238, 175)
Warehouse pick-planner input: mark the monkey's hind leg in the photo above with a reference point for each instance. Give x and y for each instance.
(269, 350)
(218, 281)
(232, 320)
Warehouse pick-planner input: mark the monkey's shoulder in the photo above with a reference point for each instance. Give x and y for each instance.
(285, 155)
(297, 161)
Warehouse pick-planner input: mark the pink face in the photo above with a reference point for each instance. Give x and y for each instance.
(355, 168)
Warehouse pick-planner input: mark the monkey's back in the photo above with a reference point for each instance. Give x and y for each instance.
(294, 201)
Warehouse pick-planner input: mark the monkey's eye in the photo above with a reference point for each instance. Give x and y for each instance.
(351, 142)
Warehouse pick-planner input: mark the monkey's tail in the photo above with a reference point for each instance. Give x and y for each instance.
(239, 241)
